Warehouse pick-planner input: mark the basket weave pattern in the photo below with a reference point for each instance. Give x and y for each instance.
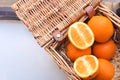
(43, 17)
(50, 14)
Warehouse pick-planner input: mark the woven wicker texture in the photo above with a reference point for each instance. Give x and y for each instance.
(44, 17)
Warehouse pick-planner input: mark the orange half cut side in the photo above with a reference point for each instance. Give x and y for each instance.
(80, 35)
(86, 66)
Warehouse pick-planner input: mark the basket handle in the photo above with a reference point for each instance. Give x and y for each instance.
(90, 11)
(57, 35)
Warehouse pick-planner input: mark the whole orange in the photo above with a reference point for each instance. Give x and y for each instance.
(73, 53)
(104, 50)
(106, 70)
(102, 28)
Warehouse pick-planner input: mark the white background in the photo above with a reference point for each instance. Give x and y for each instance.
(21, 58)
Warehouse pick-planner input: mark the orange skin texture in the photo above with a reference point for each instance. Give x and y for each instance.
(102, 28)
(106, 70)
(73, 53)
(104, 50)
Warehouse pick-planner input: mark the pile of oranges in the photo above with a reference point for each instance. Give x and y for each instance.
(91, 48)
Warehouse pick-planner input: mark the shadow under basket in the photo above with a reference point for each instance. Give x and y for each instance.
(44, 31)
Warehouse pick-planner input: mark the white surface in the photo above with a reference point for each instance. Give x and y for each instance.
(21, 58)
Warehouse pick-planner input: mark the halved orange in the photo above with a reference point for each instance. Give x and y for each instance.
(86, 66)
(80, 35)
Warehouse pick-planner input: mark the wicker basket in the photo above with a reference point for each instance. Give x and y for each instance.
(48, 21)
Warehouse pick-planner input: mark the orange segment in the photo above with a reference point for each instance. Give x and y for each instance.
(80, 35)
(86, 66)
